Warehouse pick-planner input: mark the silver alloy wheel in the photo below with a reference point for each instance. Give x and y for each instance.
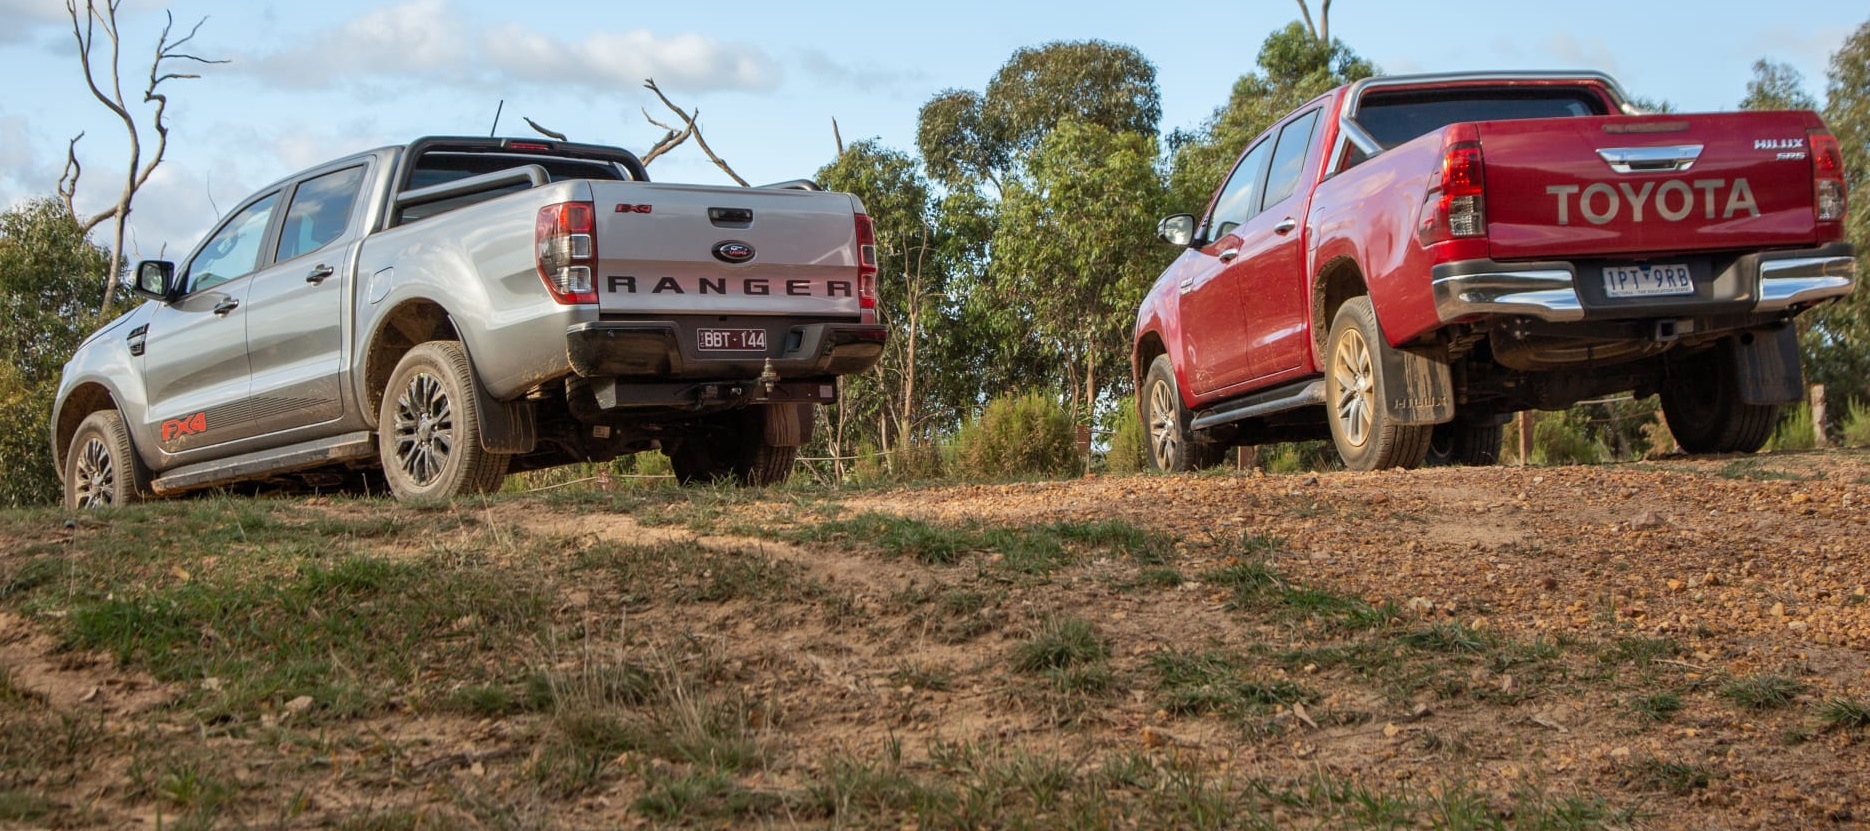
(1355, 379)
(425, 434)
(96, 474)
(1165, 428)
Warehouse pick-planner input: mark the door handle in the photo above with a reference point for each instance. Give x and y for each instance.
(1285, 227)
(1185, 286)
(225, 306)
(319, 273)
(1229, 255)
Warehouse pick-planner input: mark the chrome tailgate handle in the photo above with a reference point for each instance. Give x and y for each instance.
(1650, 159)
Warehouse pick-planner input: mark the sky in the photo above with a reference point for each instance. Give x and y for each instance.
(306, 82)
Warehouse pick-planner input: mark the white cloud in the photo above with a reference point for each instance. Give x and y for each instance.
(606, 60)
(868, 77)
(417, 37)
(19, 19)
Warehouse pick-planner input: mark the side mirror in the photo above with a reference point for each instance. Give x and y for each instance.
(154, 279)
(1177, 230)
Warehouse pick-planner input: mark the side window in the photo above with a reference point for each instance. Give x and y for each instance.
(1239, 198)
(320, 211)
(234, 250)
(1289, 158)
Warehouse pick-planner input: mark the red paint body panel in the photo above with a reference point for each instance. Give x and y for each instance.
(1369, 215)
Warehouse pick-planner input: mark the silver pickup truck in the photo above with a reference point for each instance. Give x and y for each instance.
(436, 315)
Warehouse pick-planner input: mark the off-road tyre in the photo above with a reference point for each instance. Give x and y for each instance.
(101, 467)
(428, 427)
(739, 449)
(1174, 446)
(1702, 405)
(1463, 443)
(1355, 390)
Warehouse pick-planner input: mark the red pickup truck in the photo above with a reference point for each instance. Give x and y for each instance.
(1425, 255)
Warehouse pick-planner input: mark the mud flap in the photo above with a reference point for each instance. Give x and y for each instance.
(788, 425)
(506, 426)
(1417, 388)
(1767, 362)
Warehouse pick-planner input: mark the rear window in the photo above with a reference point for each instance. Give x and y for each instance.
(1393, 118)
(437, 168)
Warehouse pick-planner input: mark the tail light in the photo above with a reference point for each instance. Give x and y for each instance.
(1829, 200)
(866, 263)
(1457, 201)
(567, 251)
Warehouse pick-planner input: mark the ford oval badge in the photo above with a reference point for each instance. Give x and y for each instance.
(733, 251)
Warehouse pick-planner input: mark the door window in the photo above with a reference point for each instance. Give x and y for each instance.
(320, 211)
(233, 251)
(1289, 158)
(1239, 198)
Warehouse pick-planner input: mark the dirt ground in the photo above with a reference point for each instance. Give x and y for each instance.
(1729, 569)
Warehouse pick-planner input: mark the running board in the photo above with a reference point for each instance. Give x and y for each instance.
(348, 447)
(1288, 397)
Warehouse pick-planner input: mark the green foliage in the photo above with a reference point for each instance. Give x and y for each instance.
(1796, 430)
(1565, 439)
(49, 288)
(1856, 427)
(1019, 435)
(1836, 338)
(1762, 692)
(1129, 441)
(1293, 67)
(1073, 255)
(1776, 86)
(969, 139)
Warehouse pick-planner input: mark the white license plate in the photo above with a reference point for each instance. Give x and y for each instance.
(1647, 280)
(730, 340)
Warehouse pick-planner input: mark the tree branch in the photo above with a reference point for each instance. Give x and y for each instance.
(1307, 12)
(692, 128)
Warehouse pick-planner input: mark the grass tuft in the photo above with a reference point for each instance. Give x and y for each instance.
(1060, 642)
(1762, 692)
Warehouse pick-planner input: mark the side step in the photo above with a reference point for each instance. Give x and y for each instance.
(1289, 397)
(348, 447)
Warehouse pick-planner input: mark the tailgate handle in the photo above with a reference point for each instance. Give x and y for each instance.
(731, 217)
(1650, 159)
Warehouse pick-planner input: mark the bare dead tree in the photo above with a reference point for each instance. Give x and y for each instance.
(675, 137)
(1322, 31)
(85, 31)
(837, 137)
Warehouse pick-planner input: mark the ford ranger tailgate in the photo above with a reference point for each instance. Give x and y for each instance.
(679, 249)
(1632, 185)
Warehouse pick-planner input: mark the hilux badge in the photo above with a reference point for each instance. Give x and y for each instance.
(733, 251)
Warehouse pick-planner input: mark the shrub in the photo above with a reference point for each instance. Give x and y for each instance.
(1795, 430)
(1856, 427)
(1129, 440)
(49, 289)
(1019, 435)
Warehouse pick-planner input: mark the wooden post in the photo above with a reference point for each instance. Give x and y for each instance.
(1525, 437)
(1246, 457)
(1818, 415)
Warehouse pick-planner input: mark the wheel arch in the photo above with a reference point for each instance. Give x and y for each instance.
(83, 400)
(411, 323)
(1338, 281)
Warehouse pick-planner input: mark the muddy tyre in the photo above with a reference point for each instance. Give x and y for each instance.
(1703, 407)
(1355, 390)
(428, 427)
(1174, 446)
(101, 467)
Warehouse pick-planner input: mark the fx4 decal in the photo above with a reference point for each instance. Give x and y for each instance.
(176, 428)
